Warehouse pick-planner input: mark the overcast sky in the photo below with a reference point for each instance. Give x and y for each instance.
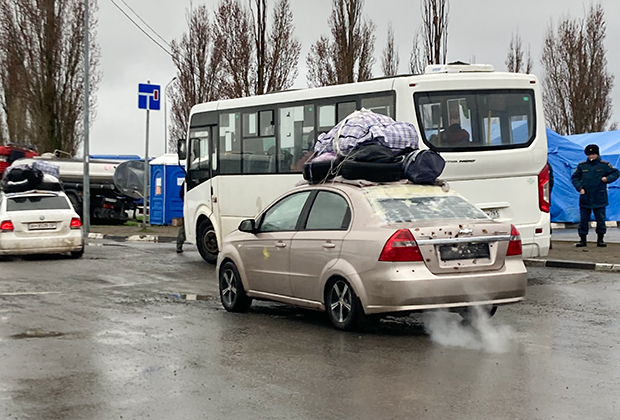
(478, 30)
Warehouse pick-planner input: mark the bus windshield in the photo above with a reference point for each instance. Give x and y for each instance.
(476, 119)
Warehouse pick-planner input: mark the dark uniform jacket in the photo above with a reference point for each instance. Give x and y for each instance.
(588, 176)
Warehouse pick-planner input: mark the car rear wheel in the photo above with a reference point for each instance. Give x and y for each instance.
(77, 254)
(232, 294)
(343, 306)
(206, 241)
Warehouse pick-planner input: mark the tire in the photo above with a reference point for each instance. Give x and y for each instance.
(315, 172)
(76, 203)
(342, 305)
(232, 294)
(77, 254)
(372, 171)
(206, 241)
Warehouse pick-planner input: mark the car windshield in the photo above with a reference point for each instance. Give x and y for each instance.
(37, 202)
(476, 120)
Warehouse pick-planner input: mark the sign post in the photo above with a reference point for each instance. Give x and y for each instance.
(148, 98)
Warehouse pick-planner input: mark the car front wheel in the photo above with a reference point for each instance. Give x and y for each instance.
(232, 294)
(206, 242)
(343, 306)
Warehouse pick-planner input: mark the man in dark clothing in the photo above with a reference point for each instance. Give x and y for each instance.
(590, 179)
(181, 235)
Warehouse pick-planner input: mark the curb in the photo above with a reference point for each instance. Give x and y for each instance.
(533, 262)
(134, 238)
(560, 226)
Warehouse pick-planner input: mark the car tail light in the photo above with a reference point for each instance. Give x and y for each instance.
(76, 223)
(544, 193)
(6, 226)
(401, 247)
(514, 246)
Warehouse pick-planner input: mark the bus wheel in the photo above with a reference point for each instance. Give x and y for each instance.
(206, 241)
(76, 203)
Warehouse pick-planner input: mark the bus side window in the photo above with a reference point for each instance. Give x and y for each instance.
(327, 118)
(380, 104)
(259, 142)
(199, 158)
(230, 144)
(296, 132)
(344, 109)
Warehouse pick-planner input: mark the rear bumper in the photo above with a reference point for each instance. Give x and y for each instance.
(399, 287)
(10, 244)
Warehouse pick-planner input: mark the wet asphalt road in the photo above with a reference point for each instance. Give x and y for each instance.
(107, 337)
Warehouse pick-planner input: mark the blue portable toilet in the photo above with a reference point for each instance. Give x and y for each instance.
(166, 180)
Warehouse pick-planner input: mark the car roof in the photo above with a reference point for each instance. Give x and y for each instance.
(32, 193)
(389, 189)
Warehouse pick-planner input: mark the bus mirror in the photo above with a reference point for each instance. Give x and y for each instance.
(248, 226)
(182, 149)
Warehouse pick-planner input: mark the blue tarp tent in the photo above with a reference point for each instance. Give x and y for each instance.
(564, 154)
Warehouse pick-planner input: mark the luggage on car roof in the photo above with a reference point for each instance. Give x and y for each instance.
(23, 178)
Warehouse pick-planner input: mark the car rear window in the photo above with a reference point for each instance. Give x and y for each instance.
(37, 202)
(412, 209)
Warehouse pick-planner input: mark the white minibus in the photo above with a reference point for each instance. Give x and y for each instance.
(488, 126)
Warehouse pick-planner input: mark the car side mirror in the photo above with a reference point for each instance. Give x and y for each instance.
(248, 226)
(182, 149)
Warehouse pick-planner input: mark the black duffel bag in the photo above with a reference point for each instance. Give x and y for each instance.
(423, 166)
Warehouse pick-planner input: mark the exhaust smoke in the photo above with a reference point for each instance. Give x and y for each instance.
(477, 333)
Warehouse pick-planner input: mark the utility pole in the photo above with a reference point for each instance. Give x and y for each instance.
(86, 180)
(146, 171)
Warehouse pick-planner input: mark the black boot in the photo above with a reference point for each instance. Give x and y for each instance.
(583, 241)
(600, 242)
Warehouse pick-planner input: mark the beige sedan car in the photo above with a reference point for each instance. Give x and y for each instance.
(357, 250)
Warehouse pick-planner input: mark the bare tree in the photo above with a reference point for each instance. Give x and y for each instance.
(515, 61)
(576, 84)
(233, 35)
(390, 58)
(348, 57)
(277, 56)
(41, 57)
(198, 71)
(256, 59)
(417, 60)
(435, 30)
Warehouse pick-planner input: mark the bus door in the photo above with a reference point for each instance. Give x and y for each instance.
(202, 167)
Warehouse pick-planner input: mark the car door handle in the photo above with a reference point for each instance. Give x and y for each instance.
(280, 245)
(329, 245)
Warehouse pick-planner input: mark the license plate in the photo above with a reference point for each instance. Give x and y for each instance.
(492, 213)
(42, 226)
(464, 251)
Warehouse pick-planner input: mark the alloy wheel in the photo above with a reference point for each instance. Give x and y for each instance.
(341, 301)
(229, 287)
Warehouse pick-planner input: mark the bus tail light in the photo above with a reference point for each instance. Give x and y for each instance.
(6, 226)
(401, 247)
(544, 192)
(514, 246)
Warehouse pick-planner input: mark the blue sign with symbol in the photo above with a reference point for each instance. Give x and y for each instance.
(148, 96)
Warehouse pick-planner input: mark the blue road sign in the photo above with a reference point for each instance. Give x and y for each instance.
(148, 97)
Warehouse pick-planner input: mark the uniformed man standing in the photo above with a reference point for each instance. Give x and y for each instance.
(590, 179)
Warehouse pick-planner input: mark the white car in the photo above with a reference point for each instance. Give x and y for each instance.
(39, 222)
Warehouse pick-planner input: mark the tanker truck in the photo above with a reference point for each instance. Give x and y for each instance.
(108, 204)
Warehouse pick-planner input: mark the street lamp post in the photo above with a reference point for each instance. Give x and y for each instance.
(166, 114)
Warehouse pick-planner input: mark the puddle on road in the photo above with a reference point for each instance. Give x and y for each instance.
(37, 334)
